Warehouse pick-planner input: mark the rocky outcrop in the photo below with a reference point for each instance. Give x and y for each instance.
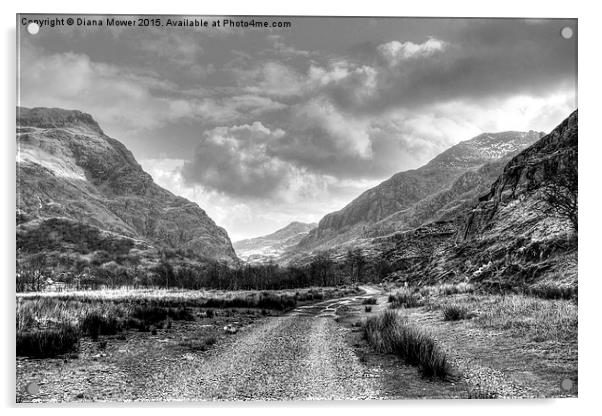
(506, 240)
(523, 175)
(71, 176)
(270, 247)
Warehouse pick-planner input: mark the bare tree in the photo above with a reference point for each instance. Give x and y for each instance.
(560, 194)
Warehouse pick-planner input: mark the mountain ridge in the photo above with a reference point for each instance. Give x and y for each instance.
(68, 168)
(404, 190)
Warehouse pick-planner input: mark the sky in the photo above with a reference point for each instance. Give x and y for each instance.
(262, 126)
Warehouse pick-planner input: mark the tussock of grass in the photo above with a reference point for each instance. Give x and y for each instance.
(454, 289)
(390, 333)
(95, 324)
(49, 342)
(405, 298)
(369, 301)
(368, 308)
(455, 312)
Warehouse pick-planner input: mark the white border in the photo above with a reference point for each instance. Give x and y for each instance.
(589, 163)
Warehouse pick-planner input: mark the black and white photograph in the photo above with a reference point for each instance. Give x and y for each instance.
(295, 208)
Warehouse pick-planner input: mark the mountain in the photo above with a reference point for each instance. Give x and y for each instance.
(508, 238)
(81, 191)
(269, 247)
(410, 198)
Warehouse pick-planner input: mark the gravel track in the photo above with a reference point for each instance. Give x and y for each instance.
(300, 356)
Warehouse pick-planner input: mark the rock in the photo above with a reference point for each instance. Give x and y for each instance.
(230, 329)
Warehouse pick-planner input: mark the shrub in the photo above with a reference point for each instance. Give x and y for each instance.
(318, 296)
(272, 301)
(134, 323)
(149, 314)
(49, 342)
(368, 308)
(369, 301)
(455, 312)
(95, 324)
(405, 298)
(390, 333)
(180, 314)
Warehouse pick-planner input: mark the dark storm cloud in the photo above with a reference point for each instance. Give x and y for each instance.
(233, 160)
(485, 58)
(329, 99)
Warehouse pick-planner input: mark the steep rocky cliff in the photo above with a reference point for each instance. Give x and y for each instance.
(508, 238)
(77, 188)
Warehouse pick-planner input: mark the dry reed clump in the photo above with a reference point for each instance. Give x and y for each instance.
(388, 332)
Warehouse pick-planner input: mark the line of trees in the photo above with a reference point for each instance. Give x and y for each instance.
(321, 271)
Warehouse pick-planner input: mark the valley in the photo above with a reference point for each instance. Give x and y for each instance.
(454, 280)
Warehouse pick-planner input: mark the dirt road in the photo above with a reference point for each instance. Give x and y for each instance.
(303, 355)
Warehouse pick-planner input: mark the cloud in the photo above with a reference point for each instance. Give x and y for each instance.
(395, 52)
(114, 95)
(262, 129)
(249, 217)
(127, 101)
(272, 79)
(233, 160)
(280, 48)
(482, 59)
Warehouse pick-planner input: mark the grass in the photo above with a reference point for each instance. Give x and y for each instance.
(405, 298)
(49, 342)
(95, 324)
(388, 332)
(539, 319)
(369, 301)
(201, 344)
(48, 327)
(456, 312)
(43, 319)
(454, 289)
(268, 299)
(552, 291)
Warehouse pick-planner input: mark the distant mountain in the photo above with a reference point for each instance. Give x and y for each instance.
(444, 205)
(413, 197)
(80, 191)
(269, 247)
